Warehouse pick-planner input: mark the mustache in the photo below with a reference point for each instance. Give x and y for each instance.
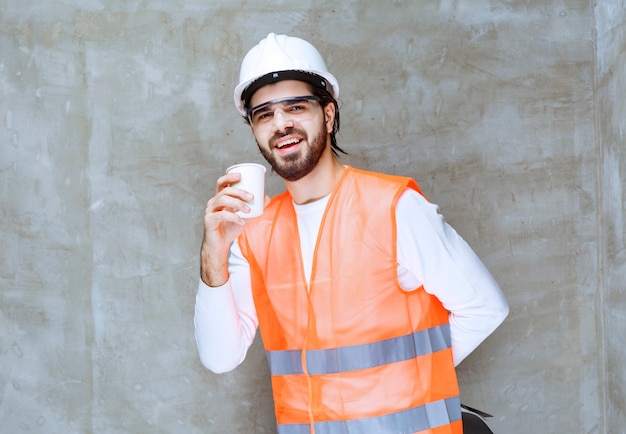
(287, 132)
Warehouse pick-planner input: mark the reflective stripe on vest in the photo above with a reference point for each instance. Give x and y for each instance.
(429, 416)
(355, 357)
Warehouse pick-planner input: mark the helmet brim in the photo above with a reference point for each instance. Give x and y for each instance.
(321, 79)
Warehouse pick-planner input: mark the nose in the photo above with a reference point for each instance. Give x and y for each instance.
(281, 120)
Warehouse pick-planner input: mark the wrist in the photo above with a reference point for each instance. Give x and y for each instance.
(213, 271)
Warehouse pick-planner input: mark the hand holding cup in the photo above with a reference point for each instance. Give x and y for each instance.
(253, 181)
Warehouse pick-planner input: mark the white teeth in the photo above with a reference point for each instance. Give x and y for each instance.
(288, 142)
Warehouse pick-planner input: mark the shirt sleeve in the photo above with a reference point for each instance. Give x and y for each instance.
(435, 256)
(225, 318)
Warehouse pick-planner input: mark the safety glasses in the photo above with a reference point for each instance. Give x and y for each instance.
(291, 107)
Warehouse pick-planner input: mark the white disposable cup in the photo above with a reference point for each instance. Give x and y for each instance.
(253, 181)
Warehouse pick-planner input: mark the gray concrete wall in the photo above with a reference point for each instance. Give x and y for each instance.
(116, 118)
(610, 86)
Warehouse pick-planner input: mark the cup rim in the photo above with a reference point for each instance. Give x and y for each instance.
(246, 164)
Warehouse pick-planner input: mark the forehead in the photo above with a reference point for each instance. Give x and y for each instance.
(279, 89)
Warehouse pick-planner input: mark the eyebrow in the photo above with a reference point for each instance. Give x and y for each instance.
(259, 108)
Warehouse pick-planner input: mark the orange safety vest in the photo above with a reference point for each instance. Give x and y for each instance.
(352, 352)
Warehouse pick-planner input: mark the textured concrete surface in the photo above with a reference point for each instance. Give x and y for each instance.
(116, 118)
(610, 73)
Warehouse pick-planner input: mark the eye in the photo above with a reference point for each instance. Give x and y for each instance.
(262, 116)
(297, 106)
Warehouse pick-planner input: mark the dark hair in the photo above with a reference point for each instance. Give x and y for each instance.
(326, 98)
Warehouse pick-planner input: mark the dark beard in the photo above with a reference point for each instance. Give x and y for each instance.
(299, 164)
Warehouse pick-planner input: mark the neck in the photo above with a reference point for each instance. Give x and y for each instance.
(319, 183)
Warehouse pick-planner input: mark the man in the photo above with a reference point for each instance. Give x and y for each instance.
(365, 298)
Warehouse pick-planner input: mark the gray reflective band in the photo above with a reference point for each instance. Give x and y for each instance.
(354, 357)
(429, 416)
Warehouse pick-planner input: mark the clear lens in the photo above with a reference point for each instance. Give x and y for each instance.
(298, 107)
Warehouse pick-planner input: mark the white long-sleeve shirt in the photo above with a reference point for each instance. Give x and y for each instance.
(430, 253)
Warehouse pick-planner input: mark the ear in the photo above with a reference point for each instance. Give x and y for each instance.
(329, 116)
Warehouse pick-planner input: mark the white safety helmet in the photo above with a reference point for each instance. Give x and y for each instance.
(281, 57)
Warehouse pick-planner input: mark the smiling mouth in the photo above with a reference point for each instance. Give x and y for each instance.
(287, 143)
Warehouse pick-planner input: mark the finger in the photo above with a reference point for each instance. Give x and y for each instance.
(231, 200)
(228, 180)
(217, 219)
(230, 195)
